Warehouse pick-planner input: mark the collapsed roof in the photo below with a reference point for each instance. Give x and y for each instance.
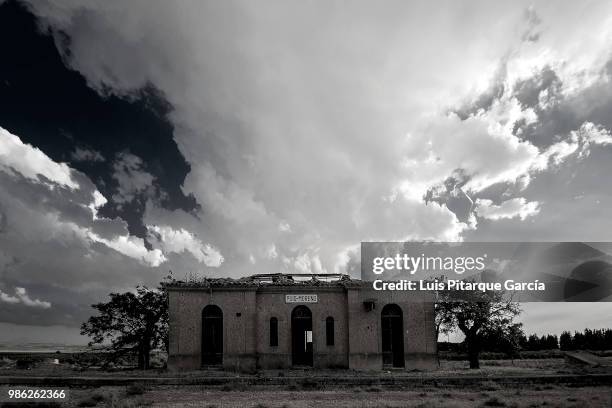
(272, 279)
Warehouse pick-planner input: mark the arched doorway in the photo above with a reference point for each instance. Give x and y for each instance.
(212, 335)
(392, 336)
(301, 336)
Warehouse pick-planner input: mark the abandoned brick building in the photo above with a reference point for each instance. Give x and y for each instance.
(283, 321)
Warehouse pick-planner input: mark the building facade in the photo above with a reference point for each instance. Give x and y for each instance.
(283, 321)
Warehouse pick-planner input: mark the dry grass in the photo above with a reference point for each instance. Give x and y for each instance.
(514, 398)
(534, 396)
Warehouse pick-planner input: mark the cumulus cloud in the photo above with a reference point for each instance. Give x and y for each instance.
(35, 163)
(556, 153)
(303, 142)
(21, 297)
(132, 247)
(485, 150)
(53, 238)
(590, 134)
(483, 147)
(317, 148)
(181, 240)
(516, 207)
(6, 298)
(32, 163)
(26, 300)
(300, 143)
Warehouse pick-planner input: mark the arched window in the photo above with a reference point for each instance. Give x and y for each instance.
(273, 332)
(329, 330)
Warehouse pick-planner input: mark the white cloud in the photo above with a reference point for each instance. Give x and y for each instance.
(303, 263)
(515, 207)
(6, 298)
(31, 162)
(98, 201)
(306, 130)
(56, 238)
(558, 152)
(483, 146)
(590, 134)
(132, 247)
(296, 137)
(180, 241)
(26, 300)
(578, 141)
(595, 134)
(22, 297)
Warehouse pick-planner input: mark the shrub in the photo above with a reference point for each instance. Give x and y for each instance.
(98, 397)
(87, 402)
(310, 384)
(233, 386)
(135, 389)
(489, 386)
(24, 364)
(131, 403)
(494, 402)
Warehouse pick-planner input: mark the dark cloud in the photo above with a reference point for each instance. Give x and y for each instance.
(451, 194)
(528, 91)
(52, 107)
(2, 220)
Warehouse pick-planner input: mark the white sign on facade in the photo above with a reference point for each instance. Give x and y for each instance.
(301, 299)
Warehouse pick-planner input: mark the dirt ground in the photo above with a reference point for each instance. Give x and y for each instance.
(591, 397)
(546, 396)
(326, 393)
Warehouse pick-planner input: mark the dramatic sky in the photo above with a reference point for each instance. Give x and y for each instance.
(225, 138)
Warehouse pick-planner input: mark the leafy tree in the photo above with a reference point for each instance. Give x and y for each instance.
(131, 322)
(533, 342)
(565, 341)
(508, 340)
(598, 339)
(552, 342)
(606, 339)
(578, 341)
(478, 314)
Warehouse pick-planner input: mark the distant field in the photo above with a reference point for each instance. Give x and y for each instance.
(85, 364)
(488, 367)
(42, 348)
